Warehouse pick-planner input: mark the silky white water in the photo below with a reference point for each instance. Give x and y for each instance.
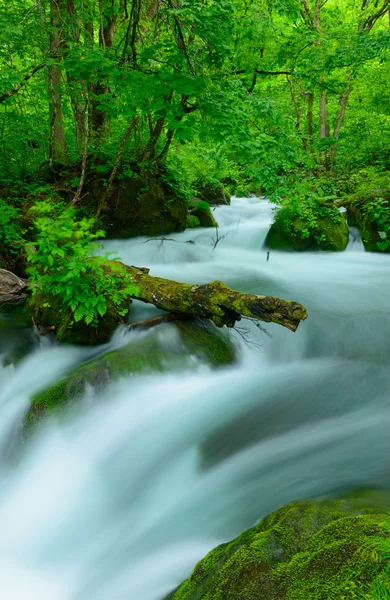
(121, 500)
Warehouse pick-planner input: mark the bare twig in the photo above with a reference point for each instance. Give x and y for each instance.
(164, 239)
(218, 238)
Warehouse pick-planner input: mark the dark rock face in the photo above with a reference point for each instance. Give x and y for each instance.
(214, 194)
(138, 206)
(17, 336)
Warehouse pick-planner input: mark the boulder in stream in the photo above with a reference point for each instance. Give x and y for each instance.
(214, 194)
(137, 205)
(202, 212)
(370, 213)
(290, 232)
(313, 549)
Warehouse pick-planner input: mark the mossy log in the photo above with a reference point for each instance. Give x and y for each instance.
(214, 301)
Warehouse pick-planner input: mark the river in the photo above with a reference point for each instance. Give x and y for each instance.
(121, 500)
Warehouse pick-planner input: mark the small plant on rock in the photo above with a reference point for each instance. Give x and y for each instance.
(63, 266)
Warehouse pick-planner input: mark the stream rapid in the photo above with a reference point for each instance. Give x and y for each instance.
(122, 499)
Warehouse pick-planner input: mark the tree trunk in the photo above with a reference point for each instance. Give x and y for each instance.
(324, 127)
(340, 118)
(58, 149)
(310, 104)
(98, 117)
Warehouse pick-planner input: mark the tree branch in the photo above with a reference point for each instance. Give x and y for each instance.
(17, 87)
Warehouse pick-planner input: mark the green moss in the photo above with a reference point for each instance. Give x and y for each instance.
(317, 550)
(206, 342)
(192, 222)
(203, 213)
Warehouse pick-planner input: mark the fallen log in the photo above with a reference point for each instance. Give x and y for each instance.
(214, 301)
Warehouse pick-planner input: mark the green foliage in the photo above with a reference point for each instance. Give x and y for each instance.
(10, 230)
(377, 211)
(221, 91)
(302, 207)
(62, 265)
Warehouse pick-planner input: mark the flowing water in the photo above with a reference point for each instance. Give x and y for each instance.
(121, 500)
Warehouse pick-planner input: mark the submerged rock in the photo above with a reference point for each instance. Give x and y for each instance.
(153, 352)
(319, 550)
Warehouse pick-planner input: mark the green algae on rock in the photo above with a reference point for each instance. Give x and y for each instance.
(150, 353)
(313, 549)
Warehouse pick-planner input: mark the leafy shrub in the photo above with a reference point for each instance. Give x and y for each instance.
(378, 212)
(62, 264)
(10, 230)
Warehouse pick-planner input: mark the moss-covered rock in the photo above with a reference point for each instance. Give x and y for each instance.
(137, 205)
(17, 337)
(214, 194)
(307, 550)
(204, 215)
(370, 213)
(151, 353)
(327, 235)
(192, 222)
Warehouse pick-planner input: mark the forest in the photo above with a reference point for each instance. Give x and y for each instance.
(125, 120)
(227, 163)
